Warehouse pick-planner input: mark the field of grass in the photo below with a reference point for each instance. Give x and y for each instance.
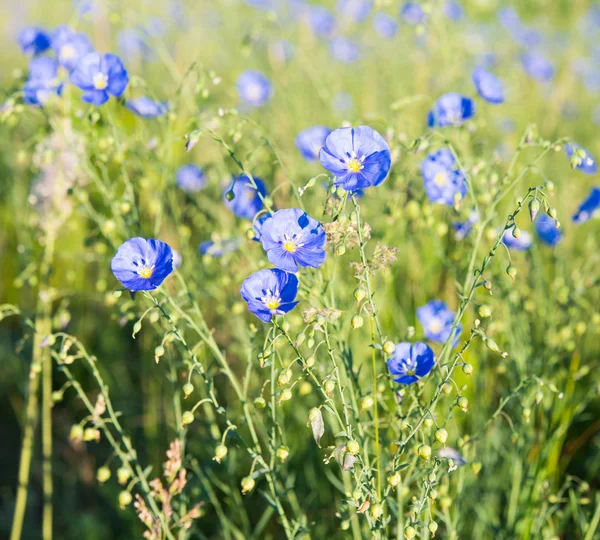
(438, 231)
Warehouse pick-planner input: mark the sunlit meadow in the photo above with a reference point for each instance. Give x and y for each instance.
(292, 269)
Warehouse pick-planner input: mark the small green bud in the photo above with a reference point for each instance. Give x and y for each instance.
(484, 311)
(389, 347)
(366, 403)
(220, 452)
(394, 479)
(340, 250)
(329, 386)
(284, 377)
(352, 447)
(467, 369)
(428, 422)
(357, 321)
(534, 208)
(433, 494)
(76, 432)
(491, 345)
(188, 388)
(359, 294)
(230, 195)
(310, 361)
(433, 527)
(123, 475)
(159, 351)
(282, 453)
(125, 499)
(376, 511)
(260, 402)
(447, 389)
(248, 484)
(463, 403)
(551, 212)
(425, 451)
(187, 418)
(441, 435)
(103, 474)
(286, 395)
(511, 270)
(516, 232)
(476, 467)
(410, 532)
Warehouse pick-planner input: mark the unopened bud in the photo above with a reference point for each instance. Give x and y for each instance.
(360, 294)
(286, 395)
(220, 452)
(433, 527)
(463, 403)
(357, 321)
(352, 447)
(123, 475)
(441, 435)
(125, 499)
(491, 345)
(388, 347)
(340, 250)
(260, 403)
(103, 474)
(511, 270)
(284, 377)
(282, 453)
(366, 403)
(410, 532)
(248, 484)
(187, 418)
(394, 479)
(534, 208)
(188, 388)
(230, 195)
(425, 451)
(484, 311)
(376, 511)
(467, 369)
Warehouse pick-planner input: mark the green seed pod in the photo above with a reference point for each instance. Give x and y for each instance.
(389, 347)
(125, 499)
(441, 435)
(484, 311)
(248, 484)
(467, 369)
(123, 475)
(352, 447)
(103, 474)
(394, 479)
(425, 451)
(433, 527)
(357, 321)
(286, 395)
(187, 418)
(376, 511)
(511, 271)
(260, 402)
(230, 195)
(220, 452)
(366, 403)
(340, 250)
(534, 208)
(410, 532)
(284, 377)
(463, 403)
(188, 388)
(359, 294)
(282, 453)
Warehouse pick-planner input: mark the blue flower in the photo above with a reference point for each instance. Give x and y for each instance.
(34, 40)
(219, 248)
(547, 230)
(410, 362)
(142, 265)
(453, 10)
(98, 76)
(589, 207)
(523, 243)
(488, 86)
(291, 238)
(247, 201)
(384, 25)
(42, 82)
(344, 50)
(451, 109)
(358, 157)
(463, 229)
(258, 225)
(254, 88)
(146, 107)
(537, 66)
(413, 13)
(70, 46)
(270, 292)
(581, 159)
(310, 141)
(321, 20)
(444, 182)
(521, 33)
(190, 178)
(437, 320)
(355, 10)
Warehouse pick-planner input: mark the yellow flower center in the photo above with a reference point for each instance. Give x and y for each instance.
(100, 81)
(289, 246)
(441, 179)
(146, 272)
(435, 325)
(67, 52)
(273, 303)
(411, 372)
(354, 165)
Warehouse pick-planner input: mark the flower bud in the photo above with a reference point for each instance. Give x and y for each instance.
(491, 345)
(159, 351)
(285, 395)
(534, 208)
(187, 418)
(260, 402)
(284, 377)
(230, 195)
(463, 403)
(410, 532)
(103, 474)
(123, 475)
(329, 386)
(357, 321)
(467, 369)
(394, 479)
(433, 527)
(551, 212)
(188, 388)
(366, 403)
(282, 453)
(310, 361)
(220, 452)
(389, 347)
(340, 250)
(125, 498)
(352, 447)
(447, 389)
(376, 511)
(484, 311)
(425, 451)
(433, 494)
(511, 270)
(476, 467)
(539, 396)
(248, 484)
(360, 294)
(441, 435)
(428, 422)
(516, 232)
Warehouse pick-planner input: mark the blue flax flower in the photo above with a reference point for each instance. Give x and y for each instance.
(291, 238)
(34, 40)
(310, 141)
(270, 292)
(190, 178)
(523, 243)
(70, 46)
(453, 10)
(410, 362)
(358, 157)
(547, 230)
(42, 82)
(355, 10)
(437, 320)
(463, 228)
(258, 225)
(488, 86)
(589, 207)
(142, 265)
(146, 107)
(537, 66)
(344, 50)
(581, 159)
(444, 182)
(218, 248)
(320, 20)
(254, 88)
(451, 109)
(246, 202)
(384, 25)
(98, 76)
(413, 13)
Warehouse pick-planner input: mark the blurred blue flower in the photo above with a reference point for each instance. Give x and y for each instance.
(522, 34)
(42, 82)
(344, 50)
(177, 260)
(247, 202)
(254, 88)
(355, 10)
(581, 159)
(410, 362)
(413, 13)
(147, 108)
(132, 45)
(358, 157)
(523, 243)
(451, 109)
(282, 49)
(310, 141)
(384, 25)
(437, 320)
(258, 225)
(537, 66)
(34, 40)
(488, 86)
(320, 20)
(463, 229)
(270, 292)
(342, 102)
(589, 207)
(190, 178)
(142, 265)
(70, 46)
(453, 10)
(291, 238)
(444, 181)
(98, 76)
(219, 248)
(547, 230)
